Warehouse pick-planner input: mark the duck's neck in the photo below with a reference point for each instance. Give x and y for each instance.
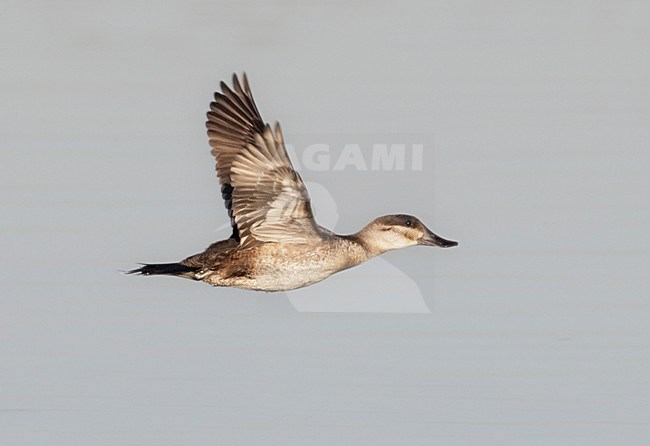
(359, 247)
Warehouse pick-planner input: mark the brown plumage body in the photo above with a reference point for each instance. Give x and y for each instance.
(276, 266)
(276, 244)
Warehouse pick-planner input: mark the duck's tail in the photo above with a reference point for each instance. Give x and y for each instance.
(168, 269)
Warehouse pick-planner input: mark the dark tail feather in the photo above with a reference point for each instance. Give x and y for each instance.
(170, 269)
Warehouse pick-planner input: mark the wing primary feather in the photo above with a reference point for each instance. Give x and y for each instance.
(238, 100)
(249, 93)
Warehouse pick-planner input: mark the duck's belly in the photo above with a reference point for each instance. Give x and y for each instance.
(283, 279)
(281, 268)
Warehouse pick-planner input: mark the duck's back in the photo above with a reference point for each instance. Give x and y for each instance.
(213, 254)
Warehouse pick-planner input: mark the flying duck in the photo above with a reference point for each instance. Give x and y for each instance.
(276, 244)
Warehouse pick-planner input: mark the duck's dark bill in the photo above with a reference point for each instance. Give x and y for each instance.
(431, 239)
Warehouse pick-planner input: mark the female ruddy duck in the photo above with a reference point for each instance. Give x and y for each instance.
(276, 244)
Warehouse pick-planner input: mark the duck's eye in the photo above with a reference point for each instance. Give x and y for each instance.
(408, 223)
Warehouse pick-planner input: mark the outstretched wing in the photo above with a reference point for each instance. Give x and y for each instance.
(233, 120)
(266, 198)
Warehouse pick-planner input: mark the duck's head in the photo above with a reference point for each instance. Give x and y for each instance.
(399, 231)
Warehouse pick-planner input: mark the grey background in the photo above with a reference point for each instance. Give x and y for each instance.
(539, 328)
